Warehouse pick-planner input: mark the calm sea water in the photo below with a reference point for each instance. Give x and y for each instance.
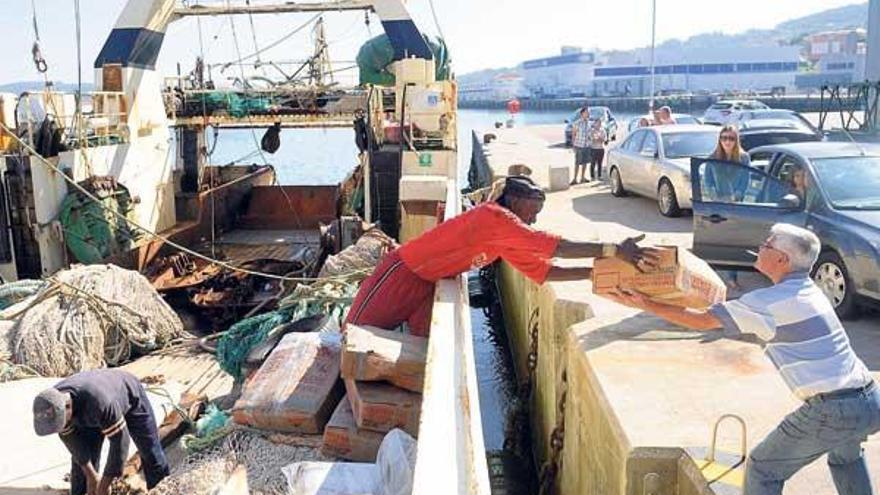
(325, 156)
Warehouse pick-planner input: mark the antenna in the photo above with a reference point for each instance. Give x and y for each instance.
(853, 141)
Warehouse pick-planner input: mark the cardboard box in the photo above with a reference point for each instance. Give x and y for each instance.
(296, 388)
(681, 279)
(343, 438)
(373, 354)
(381, 407)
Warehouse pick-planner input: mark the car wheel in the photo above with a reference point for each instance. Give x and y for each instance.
(617, 189)
(667, 201)
(832, 277)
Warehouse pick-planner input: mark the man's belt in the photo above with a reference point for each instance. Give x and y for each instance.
(843, 393)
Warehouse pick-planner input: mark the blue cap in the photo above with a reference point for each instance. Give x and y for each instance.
(49, 414)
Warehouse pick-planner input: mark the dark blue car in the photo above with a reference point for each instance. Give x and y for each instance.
(830, 188)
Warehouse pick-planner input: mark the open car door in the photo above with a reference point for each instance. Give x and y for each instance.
(734, 208)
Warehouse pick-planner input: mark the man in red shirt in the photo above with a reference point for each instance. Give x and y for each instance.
(401, 289)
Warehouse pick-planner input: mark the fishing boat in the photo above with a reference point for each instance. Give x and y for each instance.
(120, 175)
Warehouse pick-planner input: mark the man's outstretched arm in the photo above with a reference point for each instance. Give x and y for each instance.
(568, 273)
(627, 250)
(690, 319)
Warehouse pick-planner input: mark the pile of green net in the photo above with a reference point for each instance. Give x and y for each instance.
(330, 297)
(235, 104)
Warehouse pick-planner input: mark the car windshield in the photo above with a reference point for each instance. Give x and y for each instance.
(780, 125)
(721, 106)
(852, 183)
(688, 144)
(597, 113)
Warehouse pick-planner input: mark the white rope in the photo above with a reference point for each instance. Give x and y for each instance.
(147, 231)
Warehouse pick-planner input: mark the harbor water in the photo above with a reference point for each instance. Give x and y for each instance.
(326, 156)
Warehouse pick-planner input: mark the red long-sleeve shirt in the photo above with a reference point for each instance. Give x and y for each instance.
(476, 238)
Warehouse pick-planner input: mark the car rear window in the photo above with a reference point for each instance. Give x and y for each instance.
(721, 106)
(766, 138)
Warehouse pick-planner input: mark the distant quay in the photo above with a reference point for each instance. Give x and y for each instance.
(679, 103)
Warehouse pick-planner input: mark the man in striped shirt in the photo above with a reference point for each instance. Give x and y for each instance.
(806, 342)
(90, 406)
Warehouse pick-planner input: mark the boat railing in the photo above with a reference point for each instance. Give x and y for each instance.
(102, 119)
(451, 455)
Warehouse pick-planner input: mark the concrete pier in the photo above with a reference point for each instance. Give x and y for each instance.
(642, 395)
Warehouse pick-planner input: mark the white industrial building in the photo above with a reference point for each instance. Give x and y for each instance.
(564, 75)
(576, 73)
(491, 87)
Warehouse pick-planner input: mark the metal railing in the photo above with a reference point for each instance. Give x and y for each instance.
(451, 456)
(102, 120)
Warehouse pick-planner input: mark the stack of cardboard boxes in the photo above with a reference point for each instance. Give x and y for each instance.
(680, 279)
(383, 372)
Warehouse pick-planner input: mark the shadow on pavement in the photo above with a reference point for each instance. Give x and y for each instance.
(633, 212)
(643, 327)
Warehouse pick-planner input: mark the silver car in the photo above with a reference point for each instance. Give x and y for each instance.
(655, 162)
(727, 111)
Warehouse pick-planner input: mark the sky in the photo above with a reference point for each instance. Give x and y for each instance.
(481, 33)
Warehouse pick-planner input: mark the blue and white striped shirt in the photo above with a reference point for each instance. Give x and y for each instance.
(803, 336)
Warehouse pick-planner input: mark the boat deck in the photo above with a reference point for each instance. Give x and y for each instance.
(188, 365)
(288, 245)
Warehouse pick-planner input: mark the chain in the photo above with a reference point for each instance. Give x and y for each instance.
(553, 465)
(527, 387)
(519, 422)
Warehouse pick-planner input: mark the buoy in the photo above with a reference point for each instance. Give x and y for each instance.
(513, 106)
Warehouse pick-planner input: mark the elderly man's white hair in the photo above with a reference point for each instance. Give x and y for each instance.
(801, 245)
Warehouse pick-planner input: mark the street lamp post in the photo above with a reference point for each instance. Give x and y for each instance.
(653, 43)
(872, 65)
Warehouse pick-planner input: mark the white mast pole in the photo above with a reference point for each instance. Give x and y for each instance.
(653, 43)
(872, 65)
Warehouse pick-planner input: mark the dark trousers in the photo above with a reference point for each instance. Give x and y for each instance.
(596, 157)
(141, 426)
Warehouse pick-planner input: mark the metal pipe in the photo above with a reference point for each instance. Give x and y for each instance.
(283, 8)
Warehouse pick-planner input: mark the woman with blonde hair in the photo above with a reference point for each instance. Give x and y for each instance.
(728, 183)
(729, 147)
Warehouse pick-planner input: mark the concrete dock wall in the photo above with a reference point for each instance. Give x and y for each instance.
(597, 457)
(684, 104)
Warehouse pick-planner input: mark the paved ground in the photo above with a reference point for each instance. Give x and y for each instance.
(681, 380)
(663, 386)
